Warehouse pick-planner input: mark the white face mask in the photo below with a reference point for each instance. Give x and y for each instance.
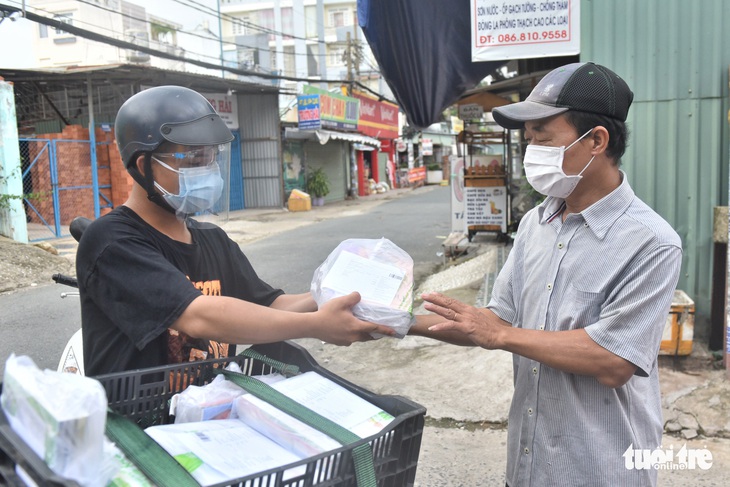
(199, 188)
(544, 169)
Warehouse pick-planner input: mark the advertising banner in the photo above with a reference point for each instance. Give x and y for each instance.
(458, 222)
(378, 119)
(335, 111)
(427, 147)
(308, 112)
(487, 206)
(520, 29)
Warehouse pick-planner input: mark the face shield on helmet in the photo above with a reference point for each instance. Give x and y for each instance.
(203, 181)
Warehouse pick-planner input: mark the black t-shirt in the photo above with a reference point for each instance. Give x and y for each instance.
(135, 282)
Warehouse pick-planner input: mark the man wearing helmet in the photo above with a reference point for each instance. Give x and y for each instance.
(159, 287)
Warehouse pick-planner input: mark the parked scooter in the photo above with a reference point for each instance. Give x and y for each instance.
(72, 358)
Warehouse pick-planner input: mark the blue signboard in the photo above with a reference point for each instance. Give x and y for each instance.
(309, 112)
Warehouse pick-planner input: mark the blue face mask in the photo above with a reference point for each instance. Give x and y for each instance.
(200, 188)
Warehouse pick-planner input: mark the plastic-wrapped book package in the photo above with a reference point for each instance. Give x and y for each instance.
(213, 400)
(380, 271)
(61, 417)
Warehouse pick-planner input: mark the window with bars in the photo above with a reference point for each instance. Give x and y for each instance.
(336, 55)
(240, 25)
(340, 17)
(66, 18)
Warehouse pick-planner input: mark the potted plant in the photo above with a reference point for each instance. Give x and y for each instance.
(318, 186)
(434, 173)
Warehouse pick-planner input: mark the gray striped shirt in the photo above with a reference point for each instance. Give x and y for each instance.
(611, 270)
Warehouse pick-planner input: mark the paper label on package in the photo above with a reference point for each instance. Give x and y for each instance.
(376, 282)
(218, 451)
(335, 403)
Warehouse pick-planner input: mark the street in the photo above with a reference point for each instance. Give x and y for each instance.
(36, 321)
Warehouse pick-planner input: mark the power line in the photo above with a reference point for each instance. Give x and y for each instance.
(213, 12)
(193, 34)
(119, 34)
(236, 20)
(86, 34)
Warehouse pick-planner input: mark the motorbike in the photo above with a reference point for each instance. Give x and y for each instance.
(72, 358)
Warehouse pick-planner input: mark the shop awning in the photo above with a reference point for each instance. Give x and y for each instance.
(487, 100)
(324, 136)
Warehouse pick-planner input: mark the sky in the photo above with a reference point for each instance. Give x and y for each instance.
(19, 34)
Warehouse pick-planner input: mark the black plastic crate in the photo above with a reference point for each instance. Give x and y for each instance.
(143, 396)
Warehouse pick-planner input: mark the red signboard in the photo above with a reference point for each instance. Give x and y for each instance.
(417, 174)
(378, 119)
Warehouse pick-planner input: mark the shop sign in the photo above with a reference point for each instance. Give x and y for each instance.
(400, 145)
(516, 29)
(427, 147)
(226, 106)
(335, 111)
(458, 220)
(378, 119)
(308, 112)
(487, 206)
(417, 174)
(470, 111)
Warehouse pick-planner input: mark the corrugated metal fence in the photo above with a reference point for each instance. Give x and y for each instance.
(674, 55)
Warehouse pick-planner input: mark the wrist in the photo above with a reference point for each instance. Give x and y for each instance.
(503, 338)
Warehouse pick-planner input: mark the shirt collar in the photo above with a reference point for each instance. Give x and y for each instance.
(602, 214)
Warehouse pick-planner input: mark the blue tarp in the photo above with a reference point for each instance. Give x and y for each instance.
(423, 49)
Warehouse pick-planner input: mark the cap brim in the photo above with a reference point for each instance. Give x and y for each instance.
(514, 116)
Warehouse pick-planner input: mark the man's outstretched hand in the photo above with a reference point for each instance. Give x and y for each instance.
(479, 325)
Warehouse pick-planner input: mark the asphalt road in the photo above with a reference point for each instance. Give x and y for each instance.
(37, 322)
(416, 223)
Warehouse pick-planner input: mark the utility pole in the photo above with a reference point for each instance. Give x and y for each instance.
(348, 56)
(356, 53)
(220, 35)
(322, 46)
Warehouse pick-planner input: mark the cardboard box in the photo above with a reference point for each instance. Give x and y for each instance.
(299, 201)
(679, 327)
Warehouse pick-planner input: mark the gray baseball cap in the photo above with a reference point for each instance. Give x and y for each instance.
(584, 87)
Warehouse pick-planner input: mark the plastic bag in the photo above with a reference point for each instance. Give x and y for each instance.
(380, 271)
(60, 416)
(212, 401)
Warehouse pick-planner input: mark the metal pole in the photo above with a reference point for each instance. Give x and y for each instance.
(220, 37)
(92, 149)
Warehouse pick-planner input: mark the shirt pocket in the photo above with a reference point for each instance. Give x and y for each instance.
(579, 308)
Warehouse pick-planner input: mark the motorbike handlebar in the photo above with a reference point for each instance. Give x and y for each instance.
(78, 226)
(65, 280)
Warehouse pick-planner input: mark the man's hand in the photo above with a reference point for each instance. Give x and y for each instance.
(571, 351)
(339, 326)
(480, 326)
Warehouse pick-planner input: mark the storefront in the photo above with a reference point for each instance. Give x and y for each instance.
(326, 138)
(379, 120)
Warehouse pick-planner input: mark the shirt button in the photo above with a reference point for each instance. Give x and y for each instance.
(549, 286)
(527, 451)
(534, 370)
(542, 327)
(529, 411)
(585, 224)
(560, 245)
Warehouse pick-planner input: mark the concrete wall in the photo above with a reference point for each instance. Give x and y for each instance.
(12, 217)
